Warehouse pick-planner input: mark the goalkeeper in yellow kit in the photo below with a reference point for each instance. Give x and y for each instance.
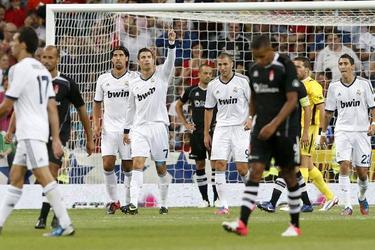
(315, 94)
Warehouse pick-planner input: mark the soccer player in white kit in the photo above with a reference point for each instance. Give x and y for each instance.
(31, 93)
(352, 96)
(231, 93)
(149, 134)
(112, 88)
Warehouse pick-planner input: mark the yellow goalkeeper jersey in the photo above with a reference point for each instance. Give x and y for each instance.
(315, 93)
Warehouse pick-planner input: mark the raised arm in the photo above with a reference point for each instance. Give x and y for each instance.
(168, 65)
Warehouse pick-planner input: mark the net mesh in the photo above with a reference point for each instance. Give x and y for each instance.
(86, 39)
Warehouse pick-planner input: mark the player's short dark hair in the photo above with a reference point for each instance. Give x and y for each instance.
(304, 60)
(261, 41)
(122, 48)
(346, 56)
(225, 55)
(145, 50)
(28, 36)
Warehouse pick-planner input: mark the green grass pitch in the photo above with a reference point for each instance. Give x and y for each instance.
(191, 228)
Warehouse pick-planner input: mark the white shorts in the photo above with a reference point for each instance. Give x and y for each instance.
(231, 139)
(354, 147)
(112, 143)
(31, 153)
(150, 140)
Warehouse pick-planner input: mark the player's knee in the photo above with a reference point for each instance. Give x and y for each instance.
(362, 173)
(344, 167)
(220, 165)
(242, 168)
(200, 164)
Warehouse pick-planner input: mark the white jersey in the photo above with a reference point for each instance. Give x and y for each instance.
(232, 100)
(147, 98)
(352, 103)
(114, 91)
(30, 85)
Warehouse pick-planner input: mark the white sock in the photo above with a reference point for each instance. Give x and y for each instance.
(127, 179)
(56, 200)
(245, 177)
(220, 182)
(163, 188)
(11, 198)
(136, 184)
(344, 182)
(362, 189)
(110, 180)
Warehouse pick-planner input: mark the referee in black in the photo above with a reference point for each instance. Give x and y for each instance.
(196, 96)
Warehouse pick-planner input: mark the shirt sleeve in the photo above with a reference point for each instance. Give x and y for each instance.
(331, 99)
(370, 97)
(75, 95)
(210, 98)
(316, 96)
(131, 110)
(50, 91)
(185, 95)
(16, 83)
(99, 93)
(247, 89)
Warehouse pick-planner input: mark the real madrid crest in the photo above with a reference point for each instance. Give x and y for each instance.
(358, 92)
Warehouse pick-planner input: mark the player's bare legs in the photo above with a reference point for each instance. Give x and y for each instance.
(50, 188)
(110, 180)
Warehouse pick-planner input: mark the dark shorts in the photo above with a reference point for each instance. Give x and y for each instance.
(198, 150)
(285, 151)
(51, 157)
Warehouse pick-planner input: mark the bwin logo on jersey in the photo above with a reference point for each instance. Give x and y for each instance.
(145, 95)
(116, 94)
(352, 103)
(228, 101)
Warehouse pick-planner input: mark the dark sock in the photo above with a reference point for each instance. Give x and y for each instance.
(202, 183)
(302, 185)
(277, 191)
(44, 210)
(294, 207)
(216, 196)
(248, 200)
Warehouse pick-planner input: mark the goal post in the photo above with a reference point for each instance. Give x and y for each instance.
(85, 33)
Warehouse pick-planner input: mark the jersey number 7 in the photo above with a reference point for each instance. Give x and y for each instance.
(43, 82)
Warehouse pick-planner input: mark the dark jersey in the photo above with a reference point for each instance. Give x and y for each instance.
(270, 85)
(197, 98)
(67, 93)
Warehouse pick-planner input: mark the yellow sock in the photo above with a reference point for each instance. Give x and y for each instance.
(317, 178)
(305, 173)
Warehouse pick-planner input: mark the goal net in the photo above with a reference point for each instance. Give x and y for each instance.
(86, 34)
